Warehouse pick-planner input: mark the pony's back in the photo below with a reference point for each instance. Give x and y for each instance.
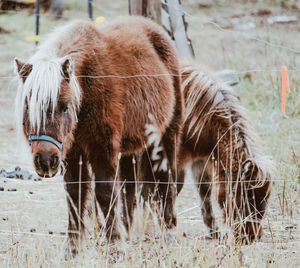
(214, 118)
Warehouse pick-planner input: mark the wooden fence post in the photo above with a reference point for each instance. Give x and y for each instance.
(147, 8)
(168, 14)
(179, 28)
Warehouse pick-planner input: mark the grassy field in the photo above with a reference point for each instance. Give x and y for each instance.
(33, 219)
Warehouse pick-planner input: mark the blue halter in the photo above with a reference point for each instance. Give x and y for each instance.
(31, 138)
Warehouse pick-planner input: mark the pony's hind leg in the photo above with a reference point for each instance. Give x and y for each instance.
(156, 168)
(77, 186)
(171, 144)
(168, 173)
(203, 183)
(127, 176)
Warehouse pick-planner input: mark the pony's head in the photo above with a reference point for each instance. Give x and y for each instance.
(253, 193)
(47, 102)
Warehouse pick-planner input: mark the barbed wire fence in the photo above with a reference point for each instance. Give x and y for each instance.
(91, 6)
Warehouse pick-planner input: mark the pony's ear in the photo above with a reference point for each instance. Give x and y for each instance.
(22, 69)
(67, 67)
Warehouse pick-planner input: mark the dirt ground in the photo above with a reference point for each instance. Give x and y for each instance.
(231, 35)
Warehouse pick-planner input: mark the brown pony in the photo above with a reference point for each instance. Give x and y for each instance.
(221, 148)
(91, 93)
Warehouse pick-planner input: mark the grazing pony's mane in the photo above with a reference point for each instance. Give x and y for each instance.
(41, 88)
(205, 99)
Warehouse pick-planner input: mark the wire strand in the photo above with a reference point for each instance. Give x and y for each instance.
(166, 74)
(157, 182)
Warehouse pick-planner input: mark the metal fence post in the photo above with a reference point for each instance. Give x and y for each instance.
(37, 19)
(90, 9)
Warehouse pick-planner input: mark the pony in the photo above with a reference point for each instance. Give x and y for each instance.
(222, 150)
(86, 97)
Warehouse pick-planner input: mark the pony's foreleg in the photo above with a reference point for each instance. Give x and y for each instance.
(203, 182)
(127, 176)
(76, 190)
(106, 190)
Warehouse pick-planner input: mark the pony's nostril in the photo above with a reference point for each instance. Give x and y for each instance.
(37, 159)
(54, 161)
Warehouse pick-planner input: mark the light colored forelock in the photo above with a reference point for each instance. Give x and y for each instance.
(42, 89)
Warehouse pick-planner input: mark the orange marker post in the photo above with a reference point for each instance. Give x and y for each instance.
(285, 87)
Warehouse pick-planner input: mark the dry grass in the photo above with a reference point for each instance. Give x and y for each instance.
(45, 210)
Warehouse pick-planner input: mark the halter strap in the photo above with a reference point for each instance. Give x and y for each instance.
(31, 138)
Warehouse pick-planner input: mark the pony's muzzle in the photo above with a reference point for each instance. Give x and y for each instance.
(46, 159)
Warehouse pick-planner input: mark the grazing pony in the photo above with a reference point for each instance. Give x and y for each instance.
(221, 148)
(87, 95)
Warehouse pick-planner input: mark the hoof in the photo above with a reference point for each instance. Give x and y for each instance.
(251, 232)
(171, 222)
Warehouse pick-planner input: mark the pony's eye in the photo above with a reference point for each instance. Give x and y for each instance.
(65, 109)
